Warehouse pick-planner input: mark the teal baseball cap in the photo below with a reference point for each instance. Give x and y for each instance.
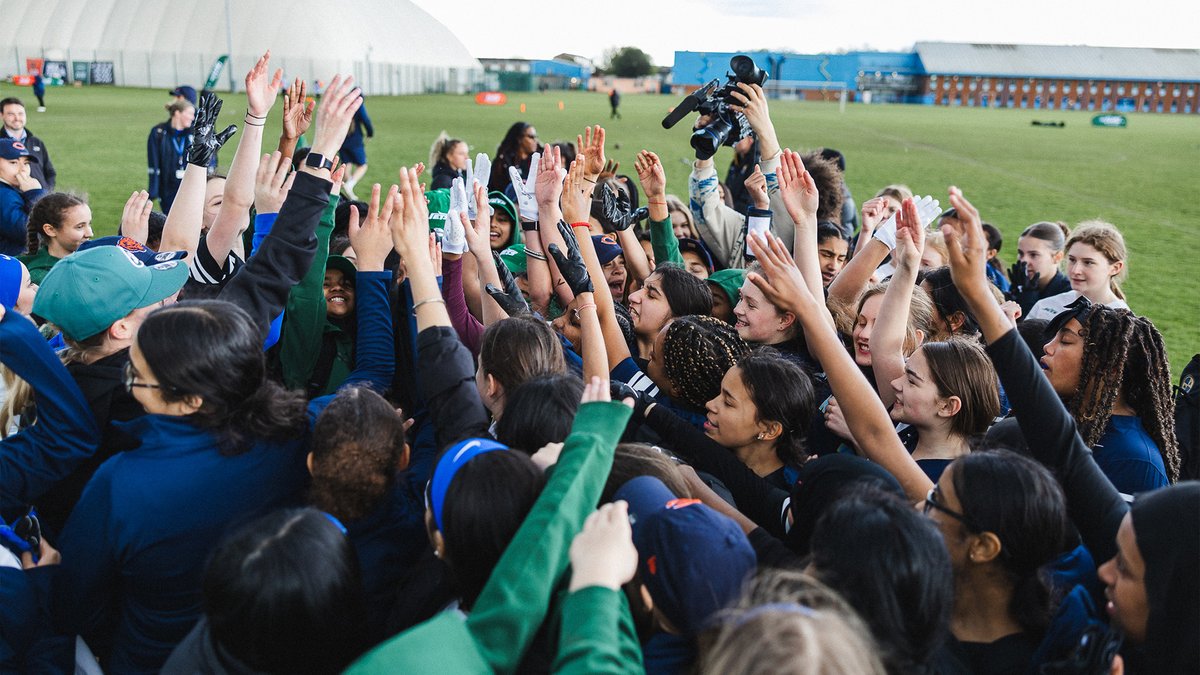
(89, 290)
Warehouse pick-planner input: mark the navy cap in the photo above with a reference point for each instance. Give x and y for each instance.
(14, 149)
(697, 247)
(607, 247)
(693, 560)
(185, 91)
(135, 248)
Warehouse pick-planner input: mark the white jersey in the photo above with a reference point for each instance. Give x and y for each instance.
(1048, 308)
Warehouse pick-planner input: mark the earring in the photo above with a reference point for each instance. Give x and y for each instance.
(760, 435)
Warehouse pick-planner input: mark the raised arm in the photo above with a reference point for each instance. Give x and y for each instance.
(721, 227)
(285, 256)
(548, 188)
(574, 271)
(869, 253)
(182, 229)
(800, 198)
(374, 350)
(868, 419)
(577, 195)
(234, 214)
(654, 183)
(297, 117)
(1096, 507)
(887, 337)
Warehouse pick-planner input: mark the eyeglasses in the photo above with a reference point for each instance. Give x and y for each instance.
(131, 376)
(931, 504)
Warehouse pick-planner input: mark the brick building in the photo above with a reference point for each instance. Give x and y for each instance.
(1060, 78)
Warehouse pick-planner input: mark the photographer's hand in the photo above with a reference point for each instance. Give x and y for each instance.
(754, 107)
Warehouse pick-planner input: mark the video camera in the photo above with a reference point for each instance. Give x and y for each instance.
(726, 126)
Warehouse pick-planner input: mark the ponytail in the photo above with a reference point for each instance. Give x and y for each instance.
(49, 210)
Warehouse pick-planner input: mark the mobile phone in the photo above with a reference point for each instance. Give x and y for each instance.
(949, 213)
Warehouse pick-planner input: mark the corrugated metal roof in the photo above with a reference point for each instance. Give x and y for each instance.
(1078, 62)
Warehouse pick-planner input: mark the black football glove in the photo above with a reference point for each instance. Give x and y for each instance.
(571, 266)
(205, 142)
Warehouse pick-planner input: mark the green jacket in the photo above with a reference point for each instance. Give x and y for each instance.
(305, 322)
(513, 604)
(39, 264)
(663, 242)
(597, 634)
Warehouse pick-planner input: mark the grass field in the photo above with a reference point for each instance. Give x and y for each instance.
(1143, 178)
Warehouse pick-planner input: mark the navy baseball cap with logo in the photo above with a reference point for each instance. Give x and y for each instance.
(105, 280)
(693, 560)
(607, 247)
(14, 149)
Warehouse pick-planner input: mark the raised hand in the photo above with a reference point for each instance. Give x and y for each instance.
(873, 212)
(341, 100)
(297, 109)
(910, 236)
(968, 246)
(205, 141)
(135, 218)
(571, 265)
(454, 237)
(550, 175)
(591, 143)
(272, 183)
(373, 240)
(261, 91)
(508, 295)
(797, 187)
(786, 288)
(617, 209)
(754, 106)
(477, 231)
(603, 553)
(756, 185)
(928, 209)
(527, 205)
(650, 174)
(479, 174)
(410, 219)
(577, 193)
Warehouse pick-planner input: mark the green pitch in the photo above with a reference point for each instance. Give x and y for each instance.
(1143, 178)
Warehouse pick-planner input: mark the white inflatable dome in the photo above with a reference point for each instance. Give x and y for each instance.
(390, 46)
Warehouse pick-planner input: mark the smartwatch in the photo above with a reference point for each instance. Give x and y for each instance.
(318, 161)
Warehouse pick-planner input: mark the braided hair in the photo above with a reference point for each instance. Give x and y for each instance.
(1124, 353)
(697, 352)
(49, 210)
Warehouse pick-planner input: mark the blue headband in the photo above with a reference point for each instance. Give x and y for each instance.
(455, 458)
(10, 281)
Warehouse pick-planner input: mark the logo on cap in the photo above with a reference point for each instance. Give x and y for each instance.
(18, 145)
(609, 239)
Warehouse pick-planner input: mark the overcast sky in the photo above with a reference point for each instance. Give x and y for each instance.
(543, 28)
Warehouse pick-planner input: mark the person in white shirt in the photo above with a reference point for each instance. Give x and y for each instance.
(1095, 266)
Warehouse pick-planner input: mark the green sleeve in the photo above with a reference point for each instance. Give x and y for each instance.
(663, 241)
(304, 317)
(597, 634)
(513, 604)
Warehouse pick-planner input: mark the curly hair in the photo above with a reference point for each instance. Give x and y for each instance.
(697, 352)
(49, 210)
(356, 447)
(829, 182)
(1124, 354)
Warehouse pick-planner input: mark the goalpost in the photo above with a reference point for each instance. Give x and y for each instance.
(794, 90)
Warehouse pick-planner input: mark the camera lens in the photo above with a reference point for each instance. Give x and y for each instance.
(744, 69)
(707, 139)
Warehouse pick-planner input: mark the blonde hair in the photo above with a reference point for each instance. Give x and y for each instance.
(675, 203)
(896, 191)
(441, 146)
(790, 623)
(1107, 239)
(937, 242)
(18, 396)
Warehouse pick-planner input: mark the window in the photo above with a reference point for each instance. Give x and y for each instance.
(973, 85)
(1053, 87)
(1012, 86)
(1107, 89)
(1025, 87)
(1079, 89)
(1120, 90)
(1092, 90)
(959, 87)
(1040, 87)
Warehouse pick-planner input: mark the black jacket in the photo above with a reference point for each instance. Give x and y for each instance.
(446, 379)
(444, 175)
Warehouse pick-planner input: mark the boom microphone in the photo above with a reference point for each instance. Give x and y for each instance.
(687, 105)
